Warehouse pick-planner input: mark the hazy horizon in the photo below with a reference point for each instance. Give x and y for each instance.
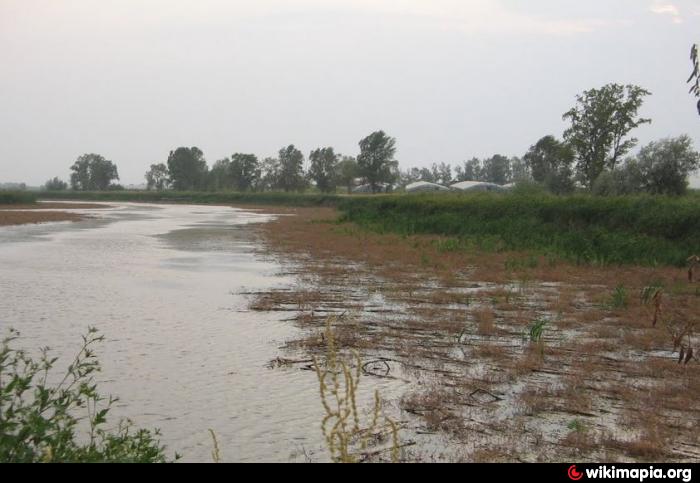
(448, 79)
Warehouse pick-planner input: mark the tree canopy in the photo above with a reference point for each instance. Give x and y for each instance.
(376, 159)
(600, 124)
(157, 177)
(291, 169)
(92, 172)
(245, 171)
(55, 184)
(549, 162)
(187, 168)
(666, 164)
(323, 169)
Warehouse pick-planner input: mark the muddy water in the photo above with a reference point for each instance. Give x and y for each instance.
(163, 283)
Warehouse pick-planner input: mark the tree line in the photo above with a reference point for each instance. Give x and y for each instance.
(592, 154)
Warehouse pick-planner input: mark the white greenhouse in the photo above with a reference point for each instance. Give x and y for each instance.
(424, 186)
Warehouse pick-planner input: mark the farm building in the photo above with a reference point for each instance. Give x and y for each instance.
(477, 186)
(367, 188)
(424, 186)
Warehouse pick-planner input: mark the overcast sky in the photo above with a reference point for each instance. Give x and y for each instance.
(450, 79)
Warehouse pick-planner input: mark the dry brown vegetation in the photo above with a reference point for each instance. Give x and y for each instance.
(455, 327)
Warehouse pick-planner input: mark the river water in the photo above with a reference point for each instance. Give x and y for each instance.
(163, 284)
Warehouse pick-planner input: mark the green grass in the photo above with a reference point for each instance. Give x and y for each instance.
(16, 197)
(584, 229)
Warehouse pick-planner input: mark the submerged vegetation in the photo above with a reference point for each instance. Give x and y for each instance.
(66, 420)
(347, 438)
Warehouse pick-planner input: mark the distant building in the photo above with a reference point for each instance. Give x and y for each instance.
(367, 188)
(477, 186)
(424, 187)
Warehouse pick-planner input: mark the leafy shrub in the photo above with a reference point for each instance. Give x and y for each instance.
(41, 422)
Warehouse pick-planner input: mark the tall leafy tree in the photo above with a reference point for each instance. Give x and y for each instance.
(270, 175)
(347, 171)
(600, 123)
(92, 172)
(550, 163)
(219, 176)
(157, 177)
(324, 169)
(469, 171)
(425, 174)
(376, 159)
(519, 170)
(291, 169)
(187, 168)
(245, 171)
(496, 169)
(441, 173)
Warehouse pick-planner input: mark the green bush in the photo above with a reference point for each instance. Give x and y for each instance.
(66, 421)
(16, 197)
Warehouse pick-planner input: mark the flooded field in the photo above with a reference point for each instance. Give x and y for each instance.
(213, 316)
(504, 356)
(166, 285)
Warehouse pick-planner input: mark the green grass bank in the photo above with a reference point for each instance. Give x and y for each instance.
(583, 229)
(17, 197)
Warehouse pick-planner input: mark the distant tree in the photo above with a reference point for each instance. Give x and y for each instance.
(245, 171)
(427, 175)
(219, 176)
(376, 159)
(470, 171)
(56, 184)
(600, 122)
(665, 165)
(291, 166)
(92, 172)
(157, 177)
(496, 169)
(409, 176)
(187, 168)
(694, 79)
(441, 174)
(519, 170)
(626, 179)
(324, 169)
(550, 164)
(347, 171)
(269, 175)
